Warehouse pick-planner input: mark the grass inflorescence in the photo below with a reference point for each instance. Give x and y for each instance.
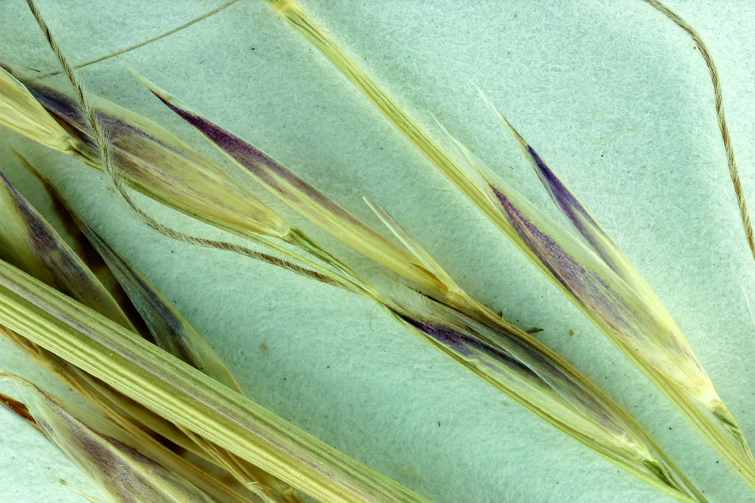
(586, 265)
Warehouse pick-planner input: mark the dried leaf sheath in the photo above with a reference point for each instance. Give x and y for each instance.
(186, 396)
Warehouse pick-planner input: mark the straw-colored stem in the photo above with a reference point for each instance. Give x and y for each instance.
(147, 42)
(187, 397)
(720, 115)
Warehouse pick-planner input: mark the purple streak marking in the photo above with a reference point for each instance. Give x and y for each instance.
(529, 364)
(560, 194)
(585, 286)
(260, 164)
(62, 267)
(67, 109)
(464, 344)
(571, 207)
(126, 481)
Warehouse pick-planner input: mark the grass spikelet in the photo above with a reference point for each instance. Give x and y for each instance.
(29, 242)
(95, 135)
(674, 371)
(618, 302)
(301, 196)
(199, 190)
(550, 388)
(156, 163)
(413, 263)
(643, 324)
(88, 254)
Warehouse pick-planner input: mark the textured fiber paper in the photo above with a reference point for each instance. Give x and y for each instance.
(611, 93)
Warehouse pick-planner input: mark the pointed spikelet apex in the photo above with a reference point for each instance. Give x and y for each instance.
(301, 196)
(21, 112)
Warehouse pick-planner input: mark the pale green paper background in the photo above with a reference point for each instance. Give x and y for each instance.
(612, 94)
